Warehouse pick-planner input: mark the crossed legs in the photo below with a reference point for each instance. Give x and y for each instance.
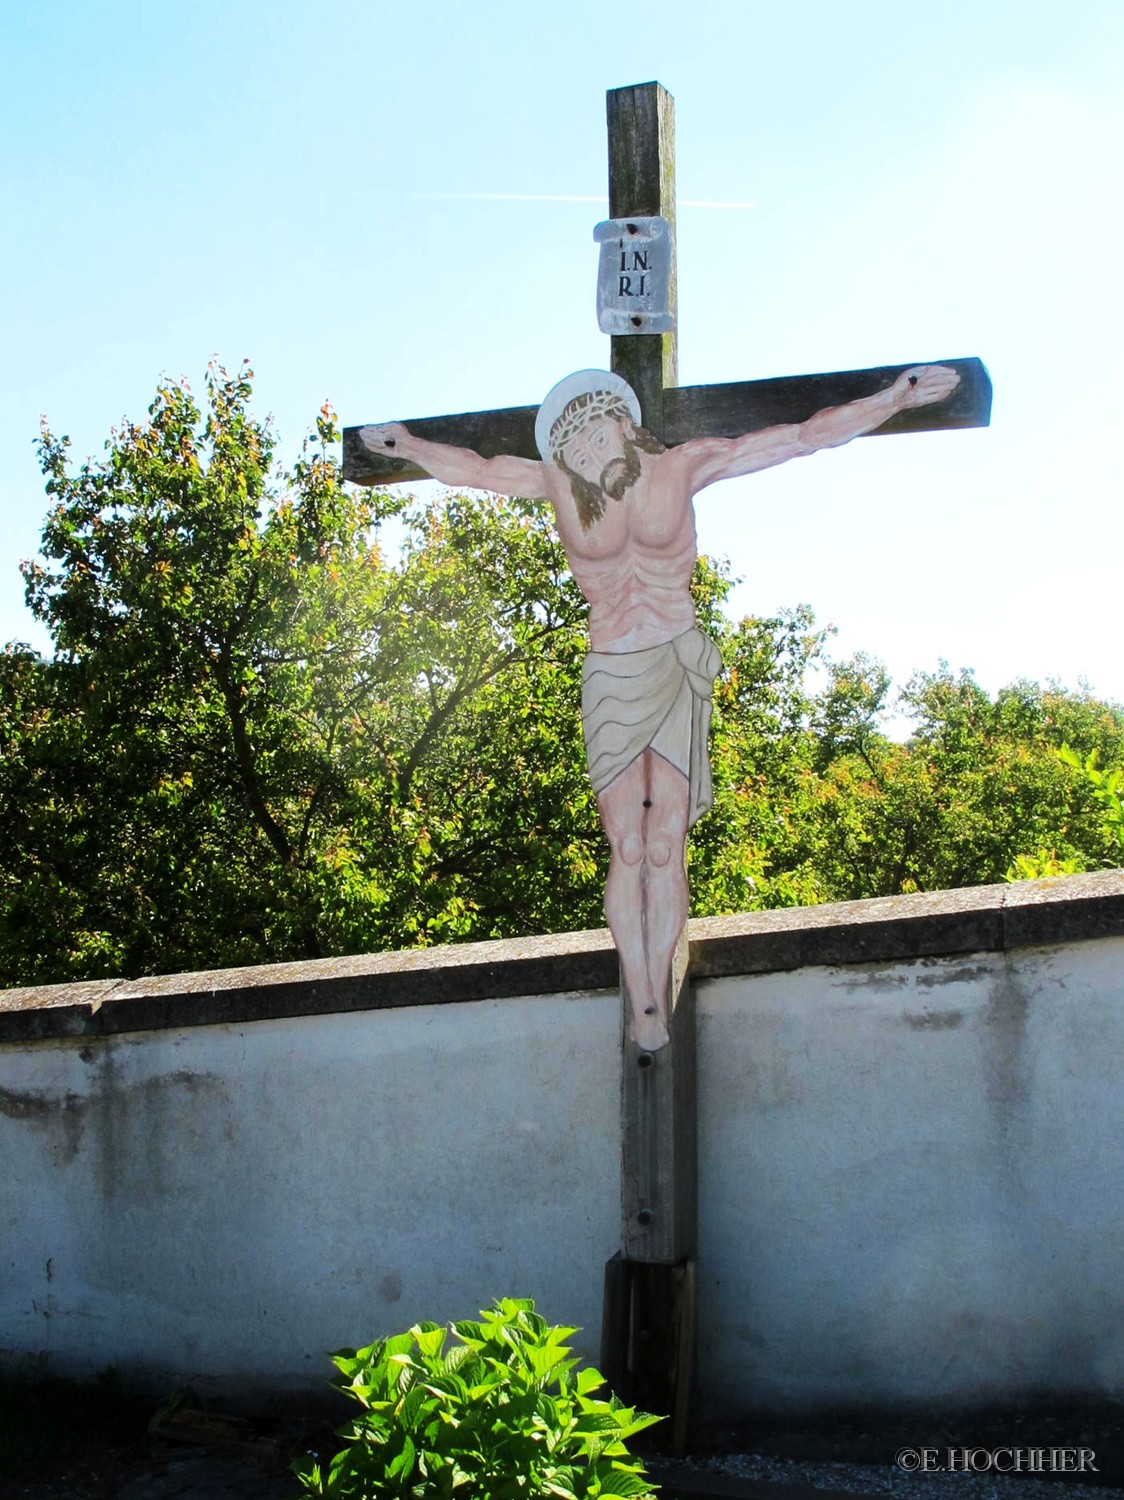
(645, 814)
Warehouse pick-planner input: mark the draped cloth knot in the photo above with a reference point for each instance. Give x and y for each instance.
(656, 699)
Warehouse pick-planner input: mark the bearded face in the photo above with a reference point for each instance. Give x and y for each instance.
(603, 463)
(621, 473)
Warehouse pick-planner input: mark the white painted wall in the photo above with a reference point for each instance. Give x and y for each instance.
(224, 1204)
(910, 1182)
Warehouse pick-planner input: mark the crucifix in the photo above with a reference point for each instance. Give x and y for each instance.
(620, 455)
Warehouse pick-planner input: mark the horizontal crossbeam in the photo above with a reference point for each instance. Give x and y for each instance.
(690, 412)
(488, 433)
(745, 406)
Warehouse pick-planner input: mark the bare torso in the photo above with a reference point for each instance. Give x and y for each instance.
(634, 564)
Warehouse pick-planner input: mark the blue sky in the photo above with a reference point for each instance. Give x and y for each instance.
(294, 184)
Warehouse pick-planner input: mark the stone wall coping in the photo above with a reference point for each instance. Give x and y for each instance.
(991, 918)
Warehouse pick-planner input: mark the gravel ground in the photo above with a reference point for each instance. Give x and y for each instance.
(854, 1453)
(872, 1479)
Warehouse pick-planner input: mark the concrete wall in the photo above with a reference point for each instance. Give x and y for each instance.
(226, 1202)
(913, 1179)
(910, 1153)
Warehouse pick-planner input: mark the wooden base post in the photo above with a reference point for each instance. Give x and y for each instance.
(648, 1321)
(658, 1150)
(648, 1344)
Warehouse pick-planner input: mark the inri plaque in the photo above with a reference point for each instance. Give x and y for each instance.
(634, 277)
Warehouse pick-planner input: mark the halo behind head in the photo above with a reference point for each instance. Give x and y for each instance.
(590, 383)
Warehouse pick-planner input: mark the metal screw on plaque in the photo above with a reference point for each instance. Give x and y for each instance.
(645, 1216)
(645, 1060)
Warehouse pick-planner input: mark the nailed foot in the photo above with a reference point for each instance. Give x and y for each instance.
(649, 1032)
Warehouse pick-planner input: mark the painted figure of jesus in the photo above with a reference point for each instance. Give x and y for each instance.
(624, 508)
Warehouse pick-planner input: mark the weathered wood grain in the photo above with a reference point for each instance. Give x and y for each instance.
(658, 1123)
(648, 1343)
(616, 1323)
(641, 124)
(745, 406)
(648, 1327)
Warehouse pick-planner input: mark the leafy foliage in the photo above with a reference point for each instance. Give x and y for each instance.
(264, 736)
(502, 1414)
(1044, 865)
(1107, 787)
(257, 739)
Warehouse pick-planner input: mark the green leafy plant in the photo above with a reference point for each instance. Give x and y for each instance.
(1044, 865)
(499, 1413)
(1107, 787)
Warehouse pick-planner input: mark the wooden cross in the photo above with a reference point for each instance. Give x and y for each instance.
(648, 1322)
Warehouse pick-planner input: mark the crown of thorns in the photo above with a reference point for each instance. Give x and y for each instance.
(580, 412)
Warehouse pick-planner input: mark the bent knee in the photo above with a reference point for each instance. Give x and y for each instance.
(660, 850)
(630, 849)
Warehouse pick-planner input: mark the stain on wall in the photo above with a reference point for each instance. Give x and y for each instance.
(61, 1118)
(933, 1020)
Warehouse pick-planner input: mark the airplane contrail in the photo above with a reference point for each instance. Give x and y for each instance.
(565, 198)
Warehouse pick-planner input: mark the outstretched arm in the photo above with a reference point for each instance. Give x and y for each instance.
(503, 475)
(711, 459)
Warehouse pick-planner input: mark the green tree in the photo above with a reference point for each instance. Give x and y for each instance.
(258, 740)
(977, 783)
(490, 826)
(753, 850)
(261, 738)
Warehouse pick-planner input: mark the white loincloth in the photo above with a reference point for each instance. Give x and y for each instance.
(657, 699)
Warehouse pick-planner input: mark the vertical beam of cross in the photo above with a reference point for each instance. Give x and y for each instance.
(641, 127)
(648, 1317)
